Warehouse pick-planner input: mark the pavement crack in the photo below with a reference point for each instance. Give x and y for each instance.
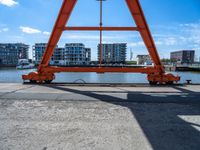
(6, 93)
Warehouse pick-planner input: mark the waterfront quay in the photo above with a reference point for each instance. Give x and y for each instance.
(102, 117)
(189, 68)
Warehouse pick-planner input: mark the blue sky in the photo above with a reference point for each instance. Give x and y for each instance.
(175, 24)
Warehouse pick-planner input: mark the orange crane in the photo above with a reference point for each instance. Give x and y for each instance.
(155, 74)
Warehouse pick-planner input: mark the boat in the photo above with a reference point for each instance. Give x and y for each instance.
(24, 64)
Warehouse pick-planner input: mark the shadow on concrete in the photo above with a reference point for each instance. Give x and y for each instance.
(166, 128)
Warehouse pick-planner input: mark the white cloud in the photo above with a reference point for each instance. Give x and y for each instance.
(29, 30)
(46, 33)
(5, 29)
(186, 35)
(159, 42)
(178, 37)
(170, 41)
(192, 32)
(8, 3)
(136, 44)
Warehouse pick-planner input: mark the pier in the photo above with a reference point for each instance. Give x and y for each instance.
(61, 116)
(195, 68)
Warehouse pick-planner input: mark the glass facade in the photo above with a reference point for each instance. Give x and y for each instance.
(185, 56)
(71, 54)
(10, 53)
(113, 53)
(38, 51)
(77, 54)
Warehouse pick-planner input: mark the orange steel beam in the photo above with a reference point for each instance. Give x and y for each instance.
(101, 28)
(61, 21)
(55, 69)
(140, 20)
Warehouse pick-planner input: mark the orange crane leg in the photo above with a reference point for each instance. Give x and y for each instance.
(155, 74)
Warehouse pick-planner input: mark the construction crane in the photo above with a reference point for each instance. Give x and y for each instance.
(155, 74)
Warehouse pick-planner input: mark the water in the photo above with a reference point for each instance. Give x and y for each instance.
(11, 75)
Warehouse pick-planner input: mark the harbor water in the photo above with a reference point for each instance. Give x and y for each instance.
(11, 75)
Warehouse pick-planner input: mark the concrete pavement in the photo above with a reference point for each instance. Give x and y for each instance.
(57, 116)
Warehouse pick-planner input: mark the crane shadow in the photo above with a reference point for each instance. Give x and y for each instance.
(163, 126)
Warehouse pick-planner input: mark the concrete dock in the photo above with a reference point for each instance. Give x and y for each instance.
(71, 117)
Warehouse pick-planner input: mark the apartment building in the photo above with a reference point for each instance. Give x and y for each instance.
(113, 53)
(10, 53)
(183, 56)
(71, 54)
